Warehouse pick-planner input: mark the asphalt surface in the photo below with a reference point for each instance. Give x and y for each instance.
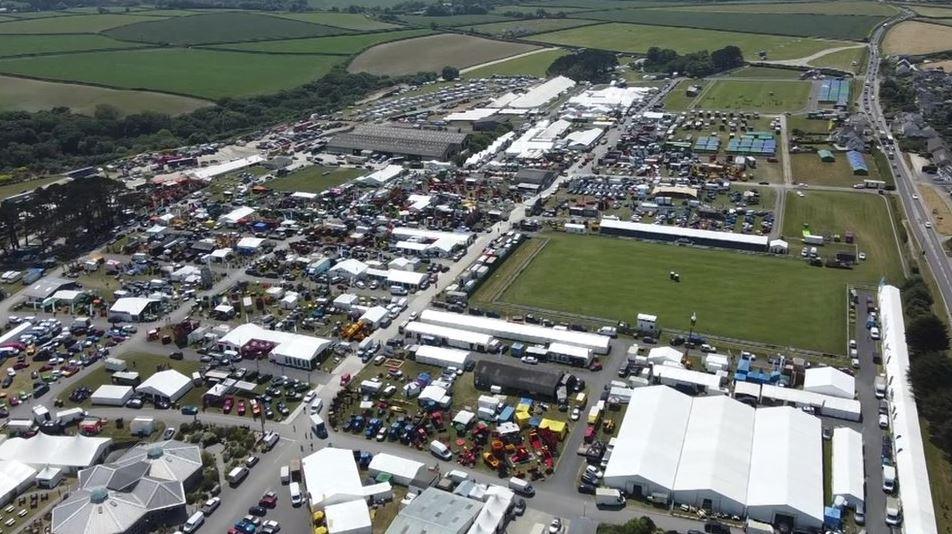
(869, 405)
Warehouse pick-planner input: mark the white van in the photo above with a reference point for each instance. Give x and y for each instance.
(197, 519)
(296, 498)
(285, 474)
(236, 475)
(398, 290)
(441, 451)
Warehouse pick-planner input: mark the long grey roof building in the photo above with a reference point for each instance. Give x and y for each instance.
(438, 144)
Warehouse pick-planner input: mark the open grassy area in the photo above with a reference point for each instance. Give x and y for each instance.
(17, 188)
(638, 38)
(733, 294)
(766, 73)
(19, 45)
(847, 7)
(203, 73)
(315, 179)
(744, 95)
(531, 65)
(520, 28)
(940, 480)
(143, 363)
(914, 37)
(340, 44)
(499, 10)
(432, 53)
(677, 99)
(809, 169)
(349, 21)
(451, 21)
(936, 11)
(854, 27)
(22, 94)
(224, 27)
(850, 60)
(72, 24)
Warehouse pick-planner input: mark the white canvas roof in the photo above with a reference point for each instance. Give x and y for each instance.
(331, 476)
(442, 356)
(456, 334)
(350, 266)
(111, 394)
(212, 171)
(384, 175)
(131, 305)
(237, 214)
(651, 436)
(715, 457)
(470, 115)
(64, 451)
(541, 94)
(286, 343)
(829, 381)
(169, 383)
(786, 466)
(13, 475)
(351, 517)
(848, 473)
(665, 354)
(397, 466)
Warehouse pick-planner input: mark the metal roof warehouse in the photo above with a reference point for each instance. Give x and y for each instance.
(438, 144)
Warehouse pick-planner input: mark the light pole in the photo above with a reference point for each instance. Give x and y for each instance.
(690, 335)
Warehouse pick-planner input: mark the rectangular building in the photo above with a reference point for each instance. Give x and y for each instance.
(430, 144)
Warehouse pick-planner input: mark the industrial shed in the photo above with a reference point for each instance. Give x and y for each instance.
(517, 379)
(441, 356)
(517, 331)
(651, 436)
(710, 238)
(786, 468)
(829, 381)
(849, 476)
(431, 144)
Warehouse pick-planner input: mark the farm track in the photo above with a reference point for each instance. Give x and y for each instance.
(505, 59)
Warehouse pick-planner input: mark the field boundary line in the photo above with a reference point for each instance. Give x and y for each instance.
(892, 224)
(104, 86)
(505, 59)
(496, 295)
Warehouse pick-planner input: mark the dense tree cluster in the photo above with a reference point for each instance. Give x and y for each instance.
(593, 66)
(697, 64)
(930, 368)
(58, 139)
(639, 525)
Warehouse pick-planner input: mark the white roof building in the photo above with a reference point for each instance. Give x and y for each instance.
(671, 233)
(67, 452)
(249, 244)
(541, 94)
(350, 517)
(441, 356)
(350, 268)
(236, 215)
(849, 476)
(207, 173)
(15, 477)
(401, 470)
(456, 337)
(111, 395)
(786, 468)
(331, 477)
(132, 308)
(829, 381)
(665, 354)
(384, 175)
(291, 349)
(169, 385)
(435, 511)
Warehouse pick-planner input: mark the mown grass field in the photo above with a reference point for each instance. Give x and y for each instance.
(914, 37)
(451, 22)
(315, 179)
(19, 45)
(677, 99)
(531, 65)
(9, 190)
(349, 21)
(432, 53)
(750, 95)
(765, 73)
(341, 44)
(210, 74)
(798, 24)
(733, 294)
(639, 38)
(499, 10)
(936, 11)
(71, 23)
(847, 7)
(529, 27)
(809, 169)
(220, 28)
(21, 94)
(844, 60)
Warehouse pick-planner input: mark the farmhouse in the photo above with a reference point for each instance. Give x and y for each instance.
(710, 238)
(391, 140)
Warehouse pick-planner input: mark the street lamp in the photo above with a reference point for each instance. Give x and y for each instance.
(690, 335)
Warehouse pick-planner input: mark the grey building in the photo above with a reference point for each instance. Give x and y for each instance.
(430, 144)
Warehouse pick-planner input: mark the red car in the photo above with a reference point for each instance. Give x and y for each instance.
(226, 407)
(345, 379)
(269, 500)
(20, 365)
(14, 400)
(241, 407)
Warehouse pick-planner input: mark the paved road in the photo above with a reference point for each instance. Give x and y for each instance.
(872, 435)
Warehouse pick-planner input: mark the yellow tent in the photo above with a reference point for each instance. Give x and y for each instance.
(559, 427)
(522, 418)
(523, 407)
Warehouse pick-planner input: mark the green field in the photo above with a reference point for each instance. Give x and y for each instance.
(71, 23)
(314, 180)
(937, 11)
(529, 27)
(349, 21)
(432, 53)
(810, 169)
(531, 65)
(22, 45)
(639, 38)
(203, 73)
(748, 95)
(341, 44)
(21, 94)
(677, 99)
(219, 28)
(453, 21)
(733, 294)
(499, 10)
(843, 60)
(848, 7)
(15, 189)
(765, 73)
(854, 27)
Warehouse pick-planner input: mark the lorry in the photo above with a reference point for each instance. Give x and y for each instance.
(521, 487)
(609, 497)
(66, 417)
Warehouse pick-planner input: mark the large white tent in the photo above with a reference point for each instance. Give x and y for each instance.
(786, 468)
(169, 385)
(15, 477)
(67, 452)
(829, 381)
(848, 474)
(401, 470)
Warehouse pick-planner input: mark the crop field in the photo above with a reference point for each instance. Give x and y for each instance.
(532, 26)
(22, 45)
(913, 37)
(499, 10)
(220, 28)
(432, 53)
(639, 38)
(452, 21)
(733, 294)
(349, 21)
(531, 65)
(315, 179)
(748, 95)
(847, 7)
(341, 44)
(71, 23)
(208, 74)
(798, 24)
(849, 60)
(22, 94)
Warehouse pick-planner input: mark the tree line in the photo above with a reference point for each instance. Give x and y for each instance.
(594, 66)
(58, 139)
(696, 64)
